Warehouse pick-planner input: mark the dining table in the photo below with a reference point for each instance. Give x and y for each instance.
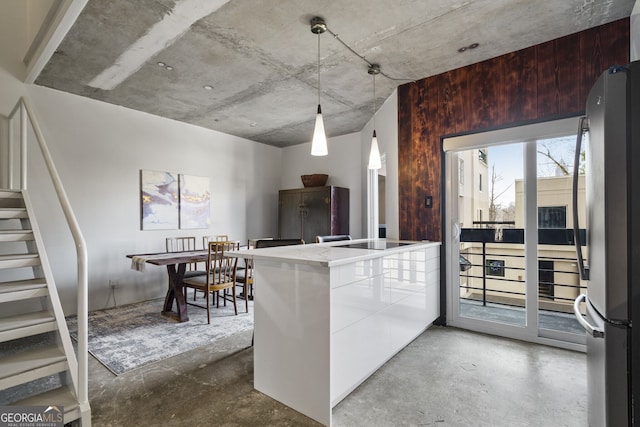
(176, 263)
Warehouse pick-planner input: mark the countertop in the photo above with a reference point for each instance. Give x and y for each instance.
(334, 253)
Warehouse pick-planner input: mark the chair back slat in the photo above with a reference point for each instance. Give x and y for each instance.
(181, 244)
(222, 267)
(215, 238)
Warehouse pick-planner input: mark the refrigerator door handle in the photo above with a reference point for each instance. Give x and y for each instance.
(591, 330)
(582, 269)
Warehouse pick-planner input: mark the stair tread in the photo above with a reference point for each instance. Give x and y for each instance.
(29, 360)
(22, 285)
(59, 396)
(23, 320)
(16, 231)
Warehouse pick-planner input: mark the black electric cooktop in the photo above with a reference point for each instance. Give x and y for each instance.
(378, 245)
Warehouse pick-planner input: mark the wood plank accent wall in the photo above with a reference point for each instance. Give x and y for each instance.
(543, 82)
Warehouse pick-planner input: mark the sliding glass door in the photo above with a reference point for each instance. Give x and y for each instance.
(510, 260)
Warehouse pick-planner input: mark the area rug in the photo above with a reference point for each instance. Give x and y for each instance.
(131, 336)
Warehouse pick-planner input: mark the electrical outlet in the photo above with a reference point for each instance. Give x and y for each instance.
(114, 284)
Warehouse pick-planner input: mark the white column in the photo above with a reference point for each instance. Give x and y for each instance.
(634, 53)
(4, 149)
(372, 203)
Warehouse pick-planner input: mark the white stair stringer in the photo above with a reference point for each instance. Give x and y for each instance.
(22, 363)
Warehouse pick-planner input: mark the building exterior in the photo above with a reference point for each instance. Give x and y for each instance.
(472, 182)
(500, 277)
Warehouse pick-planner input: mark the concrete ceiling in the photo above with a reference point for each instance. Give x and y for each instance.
(260, 58)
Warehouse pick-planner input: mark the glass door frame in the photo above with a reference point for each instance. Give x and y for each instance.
(527, 135)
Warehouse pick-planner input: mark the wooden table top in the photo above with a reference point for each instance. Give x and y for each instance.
(169, 258)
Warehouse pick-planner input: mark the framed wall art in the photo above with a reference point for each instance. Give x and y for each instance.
(195, 200)
(159, 200)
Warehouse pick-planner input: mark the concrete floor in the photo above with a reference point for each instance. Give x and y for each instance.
(446, 377)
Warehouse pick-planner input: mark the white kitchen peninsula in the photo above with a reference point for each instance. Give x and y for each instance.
(329, 315)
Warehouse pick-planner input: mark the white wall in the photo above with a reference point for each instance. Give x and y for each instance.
(387, 134)
(99, 149)
(343, 165)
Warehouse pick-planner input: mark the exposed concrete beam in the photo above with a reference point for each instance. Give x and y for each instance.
(57, 25)
(161, 35)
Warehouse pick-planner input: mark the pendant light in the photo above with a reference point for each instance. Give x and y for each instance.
(374, 154)
(319, 142)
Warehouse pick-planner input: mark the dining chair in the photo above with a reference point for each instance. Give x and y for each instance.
(244, 277)
(205, 245)
(221, 275)
(214, 238)
(270, 243)
(181, 244)
(247, 278)
(336, 238)
(251, 243)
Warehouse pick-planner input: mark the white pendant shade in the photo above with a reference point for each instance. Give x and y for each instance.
(319, 142)
(374, 154)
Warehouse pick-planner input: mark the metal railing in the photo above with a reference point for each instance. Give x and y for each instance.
(496, 271)
(485, 278)
(27, 116)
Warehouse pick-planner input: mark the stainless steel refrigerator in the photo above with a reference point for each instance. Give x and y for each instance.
(612, 257)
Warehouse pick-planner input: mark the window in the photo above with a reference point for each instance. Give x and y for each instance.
(494, 267)
(480, 182)
(482, 155)
(461, 173)
(552, 217)
(546, 278)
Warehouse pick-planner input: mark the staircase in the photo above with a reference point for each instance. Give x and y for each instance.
(38, 364)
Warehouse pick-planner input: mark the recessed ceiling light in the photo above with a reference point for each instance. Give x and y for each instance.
(471, 46)
(253, 124)
(169, 67)
(208, 87)
(161, 64)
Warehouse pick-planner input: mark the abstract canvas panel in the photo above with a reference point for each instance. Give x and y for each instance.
(159, 200)
(194, 202)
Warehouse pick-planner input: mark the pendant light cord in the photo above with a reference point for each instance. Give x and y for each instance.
(374, 102)
(318, 68)
(337, 37)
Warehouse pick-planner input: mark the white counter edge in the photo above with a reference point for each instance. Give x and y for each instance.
(329, 254)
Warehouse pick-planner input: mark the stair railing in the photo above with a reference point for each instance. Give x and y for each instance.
(28, 117)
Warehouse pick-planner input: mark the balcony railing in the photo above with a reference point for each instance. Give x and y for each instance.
(492, 268)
